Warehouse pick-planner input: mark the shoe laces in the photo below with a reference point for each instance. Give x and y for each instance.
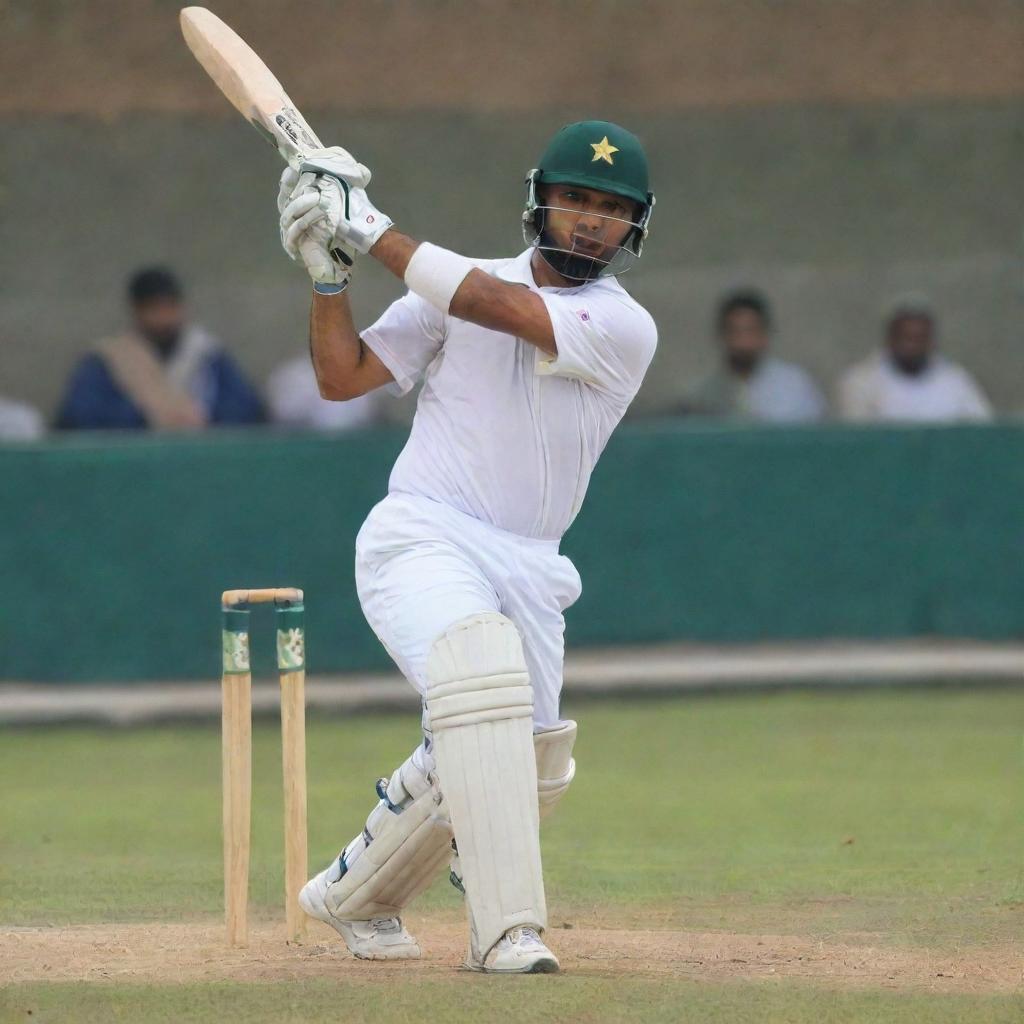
(527, 937)
(386, 924)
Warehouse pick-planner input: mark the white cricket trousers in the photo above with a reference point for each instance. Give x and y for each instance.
(421, 566)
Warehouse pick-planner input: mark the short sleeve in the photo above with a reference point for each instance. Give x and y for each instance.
(407, 338)
(601, 340)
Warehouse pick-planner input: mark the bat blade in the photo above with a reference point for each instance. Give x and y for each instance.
(248, 83)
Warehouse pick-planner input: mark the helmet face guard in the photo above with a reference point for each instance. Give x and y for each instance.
(583, 261)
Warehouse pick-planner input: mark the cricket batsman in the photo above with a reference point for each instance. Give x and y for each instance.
(527, 365)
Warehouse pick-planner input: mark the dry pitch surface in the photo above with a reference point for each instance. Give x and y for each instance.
(178, 953)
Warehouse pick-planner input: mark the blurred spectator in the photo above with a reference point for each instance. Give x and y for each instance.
(908, 379)
(163, 373)
(294, 400)
(19, 421)
(749, 382)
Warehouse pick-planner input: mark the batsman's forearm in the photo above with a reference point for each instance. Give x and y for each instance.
(335, 346)
(394, 250)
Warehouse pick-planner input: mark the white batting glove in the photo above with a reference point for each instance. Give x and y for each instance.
(306, 234)
(338, 163)
(363, 223)
(356, 222)
(289, 179)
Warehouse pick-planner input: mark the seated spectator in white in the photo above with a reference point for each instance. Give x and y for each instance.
(19, 421)
(294, 400)
(749, 382)
(907, 379)
(162, 373)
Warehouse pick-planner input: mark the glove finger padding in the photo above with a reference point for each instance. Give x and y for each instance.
(286, 186)
(323, 266)
(314, 200)
(304, 184)
(317, 261)
(309, 239)
(293, 211)
(300, 205)
(313, 221)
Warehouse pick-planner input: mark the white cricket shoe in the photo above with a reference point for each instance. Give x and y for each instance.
(518, 951)
(380, 938)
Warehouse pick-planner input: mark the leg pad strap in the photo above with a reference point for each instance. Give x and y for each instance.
(406, 840)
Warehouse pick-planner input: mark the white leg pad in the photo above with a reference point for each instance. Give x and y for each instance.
(480, 705)
(406, 841)
(555, 771)
(555, 765)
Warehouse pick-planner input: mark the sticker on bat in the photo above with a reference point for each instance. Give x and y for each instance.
(289, 122)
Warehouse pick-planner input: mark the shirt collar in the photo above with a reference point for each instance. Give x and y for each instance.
(519, 271)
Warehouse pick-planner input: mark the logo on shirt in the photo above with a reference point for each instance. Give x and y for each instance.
(583, 315)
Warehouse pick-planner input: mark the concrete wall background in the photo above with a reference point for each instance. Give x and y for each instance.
(831, 153)
(106, 57)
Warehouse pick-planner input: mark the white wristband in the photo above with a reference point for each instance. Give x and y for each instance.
(435, 274)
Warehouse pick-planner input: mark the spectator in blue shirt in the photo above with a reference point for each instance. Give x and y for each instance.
(163, 373)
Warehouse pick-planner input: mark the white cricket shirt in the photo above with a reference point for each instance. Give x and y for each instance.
(503, 431)
(943, 392)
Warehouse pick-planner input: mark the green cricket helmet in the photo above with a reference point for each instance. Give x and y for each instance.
(598, 155)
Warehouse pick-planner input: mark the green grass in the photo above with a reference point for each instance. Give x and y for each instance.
(559, 998)
(891, 812)
(896, 814)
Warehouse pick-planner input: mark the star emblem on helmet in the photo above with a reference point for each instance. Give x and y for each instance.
(603, 150)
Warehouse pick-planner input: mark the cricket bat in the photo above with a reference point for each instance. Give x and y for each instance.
(248, 83)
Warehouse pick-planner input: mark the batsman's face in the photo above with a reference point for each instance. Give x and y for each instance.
(586, 220)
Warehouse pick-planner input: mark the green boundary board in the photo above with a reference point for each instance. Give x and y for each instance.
(115, 549)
